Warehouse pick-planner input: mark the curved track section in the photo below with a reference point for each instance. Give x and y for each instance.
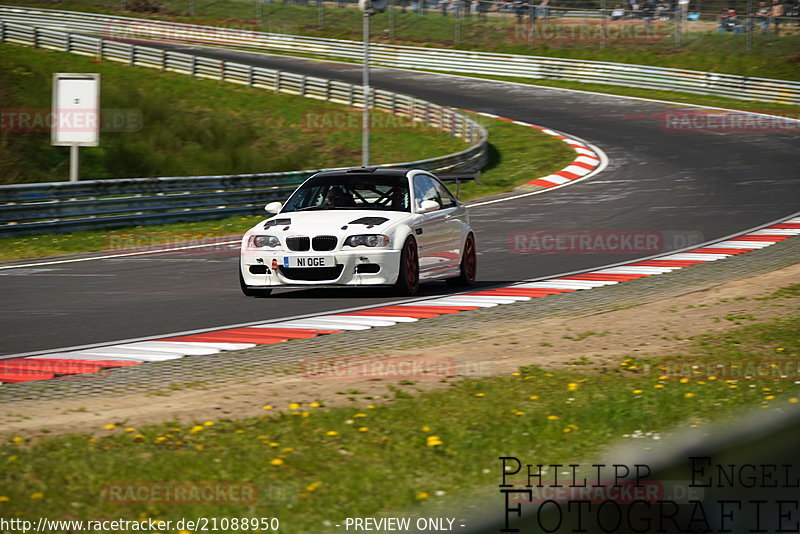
(686, 187)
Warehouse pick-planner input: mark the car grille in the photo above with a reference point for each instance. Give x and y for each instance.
(312, 274)
(298, 244)
(324, 242)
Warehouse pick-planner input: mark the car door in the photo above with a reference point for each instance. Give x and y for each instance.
(454, 223)
(432, 230)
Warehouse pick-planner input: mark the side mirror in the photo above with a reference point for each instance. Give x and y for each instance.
(428, 206)
(273, 207)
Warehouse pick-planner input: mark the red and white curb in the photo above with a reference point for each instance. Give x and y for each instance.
(587, 161)
(123, 354)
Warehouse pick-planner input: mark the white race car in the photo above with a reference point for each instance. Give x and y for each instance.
(361, 227)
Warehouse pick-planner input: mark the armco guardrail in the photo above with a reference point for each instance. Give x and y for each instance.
(462, 61)
(73, 206)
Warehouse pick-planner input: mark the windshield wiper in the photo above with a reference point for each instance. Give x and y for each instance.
(312, 208)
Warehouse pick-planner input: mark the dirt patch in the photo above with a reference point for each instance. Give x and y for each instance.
(658, 328)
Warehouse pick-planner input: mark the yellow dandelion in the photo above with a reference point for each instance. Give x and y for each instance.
(159, 439)
(305, 414)
(17, 439)
(267, 407)
(313, 487)
(780, 349)
(276, 461)
(553, 418)
(572, 386)
(688, 395)
(274, 444)
(370, 407)
(110, 426)
(14, 457)
(239, 431)
(623, 364)
(632, 367)
(3, 498)
(208, 423)
(712, 377)
(199, 447)
(294, 406)
(480, 394)
(422, 495)
(195, 429)
(567, 429)
(426, 428)
(769, 397)
(360, 415)
(684, 380)
(37, 495)
(138, 437)
(637, 392)
(287, 449)
(363, 429)
(516, 374)
(573, 427)
(91, 440)
(331, 433)
(533, 397)
(434, 441)
(130, 429)
(733, 386)
(663, 377)
(314, 405)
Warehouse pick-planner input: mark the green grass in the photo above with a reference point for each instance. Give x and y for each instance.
(192, 126)
(703, 48)
(314, 464)
(517, 154)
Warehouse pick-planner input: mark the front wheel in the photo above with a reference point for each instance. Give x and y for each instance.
(408, 278)
(469, 265)
(252, 292)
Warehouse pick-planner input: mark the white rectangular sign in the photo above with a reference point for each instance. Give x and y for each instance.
(76, 109)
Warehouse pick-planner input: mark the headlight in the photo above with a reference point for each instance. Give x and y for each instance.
(263, 241)
(367, 240)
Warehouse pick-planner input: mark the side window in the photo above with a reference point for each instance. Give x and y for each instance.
(446, 199)
(425, 189)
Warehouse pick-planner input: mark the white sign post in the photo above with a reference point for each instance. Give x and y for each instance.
(76, 114)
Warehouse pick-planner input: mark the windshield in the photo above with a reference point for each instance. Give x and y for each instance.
(350, 192)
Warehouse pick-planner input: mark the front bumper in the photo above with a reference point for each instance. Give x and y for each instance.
(264, 268)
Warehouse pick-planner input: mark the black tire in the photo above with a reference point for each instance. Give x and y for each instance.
(252, 292)
(408, 277)
(469, 265)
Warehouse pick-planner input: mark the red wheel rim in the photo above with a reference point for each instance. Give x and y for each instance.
(412, 266)
(470, 260)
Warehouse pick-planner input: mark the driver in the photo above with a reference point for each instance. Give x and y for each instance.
(337, 198)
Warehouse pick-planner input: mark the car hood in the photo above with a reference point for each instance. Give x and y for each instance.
(333, 222)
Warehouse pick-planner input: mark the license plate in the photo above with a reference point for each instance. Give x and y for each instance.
(309, 261)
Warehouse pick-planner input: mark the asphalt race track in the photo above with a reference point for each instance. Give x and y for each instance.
(688, 186)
